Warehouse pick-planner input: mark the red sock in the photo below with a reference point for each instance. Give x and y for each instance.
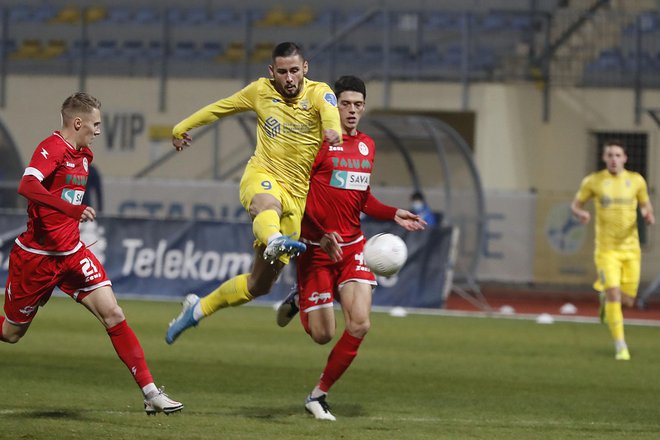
(339, 360)
(130, 352)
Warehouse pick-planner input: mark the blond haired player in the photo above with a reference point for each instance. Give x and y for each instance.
(294, 116)
(616, 192)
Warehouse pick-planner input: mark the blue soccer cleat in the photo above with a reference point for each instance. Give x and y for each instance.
(185, 319)
(283, 246)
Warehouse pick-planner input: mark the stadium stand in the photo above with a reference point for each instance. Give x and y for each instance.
(494, 40)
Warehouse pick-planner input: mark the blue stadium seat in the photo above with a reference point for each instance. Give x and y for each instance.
(146, 15)
(118, 15)
(222, 16)
(153, 51)
(19, 14)
(132, 49)
(210, 50)
(106, 49)
(184, 50)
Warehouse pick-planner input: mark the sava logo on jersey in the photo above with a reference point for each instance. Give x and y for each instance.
(350, 180)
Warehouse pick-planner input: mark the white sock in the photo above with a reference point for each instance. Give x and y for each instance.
(620, 345)
(316, 392)
(197, 312)
(149, 390)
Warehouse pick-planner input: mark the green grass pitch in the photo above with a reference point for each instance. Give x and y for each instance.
(242, 377)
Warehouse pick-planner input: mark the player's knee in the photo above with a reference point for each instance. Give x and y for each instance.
(11, 339)
(359, 329)
(322, 336)
(113, 316)
(260, 286)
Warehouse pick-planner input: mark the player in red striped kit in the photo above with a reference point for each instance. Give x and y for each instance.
(50, 254)
(333, 266)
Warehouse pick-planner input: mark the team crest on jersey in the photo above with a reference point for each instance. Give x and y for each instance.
(85, 164)
(364, 150)
(331, 99)
(304, 104)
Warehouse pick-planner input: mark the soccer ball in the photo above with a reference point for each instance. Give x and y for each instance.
(385, 254)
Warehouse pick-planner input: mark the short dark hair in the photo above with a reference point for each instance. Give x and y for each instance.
(417, 195)
(79, 103)
(349, 83)
(615, 143)
(287, 49)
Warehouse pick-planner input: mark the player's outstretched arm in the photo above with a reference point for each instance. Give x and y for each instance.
(409, 221)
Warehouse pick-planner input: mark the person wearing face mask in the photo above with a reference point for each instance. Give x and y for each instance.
(419, 206)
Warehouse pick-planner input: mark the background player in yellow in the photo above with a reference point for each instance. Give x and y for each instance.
(294, 116)
(616, 193)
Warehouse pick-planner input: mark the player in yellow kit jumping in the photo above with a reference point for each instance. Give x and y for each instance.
(294, 116)
(616, 193)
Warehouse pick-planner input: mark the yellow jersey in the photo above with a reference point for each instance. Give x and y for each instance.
(616, 199)
(289, 131)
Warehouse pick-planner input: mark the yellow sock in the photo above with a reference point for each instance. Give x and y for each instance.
(266, 224)
(614, 319)
(233, 292)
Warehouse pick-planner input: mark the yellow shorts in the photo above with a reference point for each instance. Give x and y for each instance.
(618, 269)
(255, 181)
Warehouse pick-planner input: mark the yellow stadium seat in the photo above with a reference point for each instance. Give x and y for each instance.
(275, 17)
(54, 49)
(29, 49)
(235, 52)
(302, 17)
(67, 15)
(95, 13)
(262, 51)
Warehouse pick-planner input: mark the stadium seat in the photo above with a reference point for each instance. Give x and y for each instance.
(132, 49)
(184, 50)
(154, 50)
(302, 17)
(263, 51)
(54, 49)
(118, 15)
(20, 14)
(277, 16)
(67, 15)
(30, 48)
(195, 16)
(146, 15)
(235, 52)
(43, 13)
(95, 13)
(223, 16)
(210, 50)
(106, 49)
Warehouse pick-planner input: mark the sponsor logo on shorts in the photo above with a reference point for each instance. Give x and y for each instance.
(28, 310)
(317, 297)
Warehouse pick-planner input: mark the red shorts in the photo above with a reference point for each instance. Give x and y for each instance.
(32, 278)
(319, 279)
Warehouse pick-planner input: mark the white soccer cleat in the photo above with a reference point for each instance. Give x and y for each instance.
(161, 403)
(319, 408)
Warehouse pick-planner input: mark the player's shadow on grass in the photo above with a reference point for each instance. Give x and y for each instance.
(263, 412)
(52, 414)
